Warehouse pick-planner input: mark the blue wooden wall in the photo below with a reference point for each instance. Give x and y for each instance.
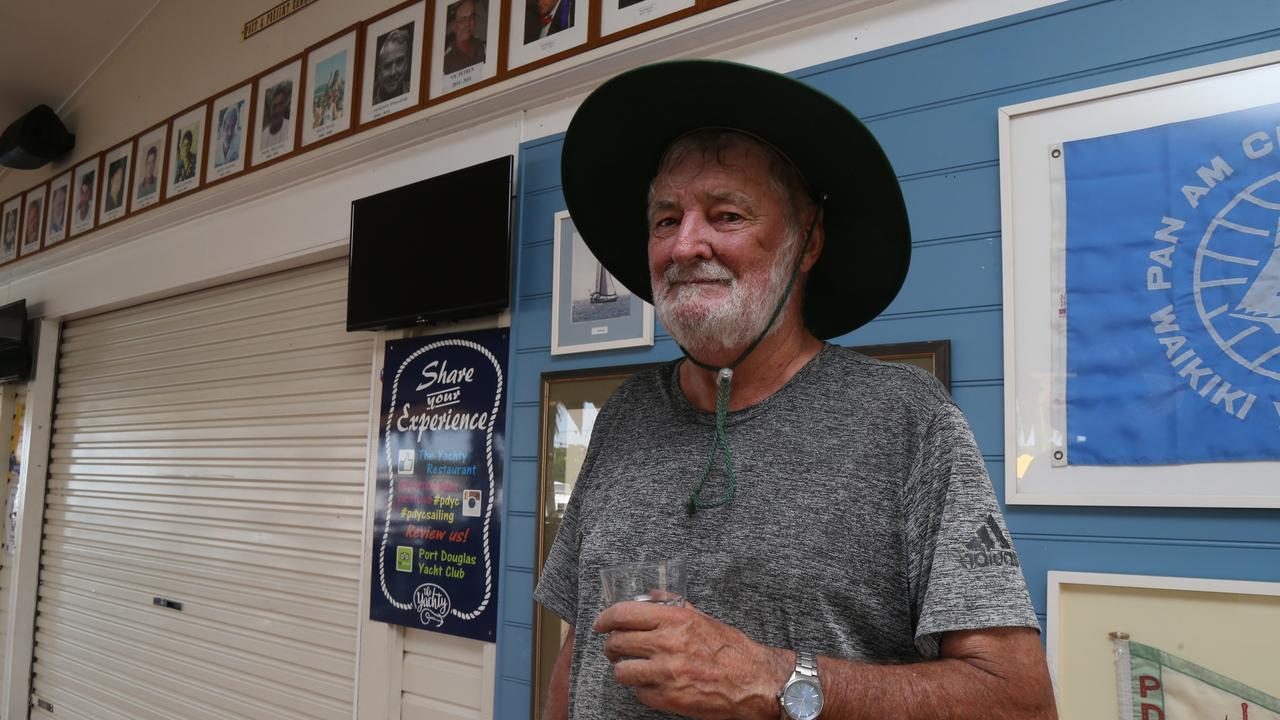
(932, 103)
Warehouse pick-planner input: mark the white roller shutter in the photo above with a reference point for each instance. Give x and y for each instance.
(209, 450)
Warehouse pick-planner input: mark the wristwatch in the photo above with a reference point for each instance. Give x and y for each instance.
(801, 697)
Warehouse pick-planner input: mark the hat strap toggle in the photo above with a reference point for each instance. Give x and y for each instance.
(724, 381)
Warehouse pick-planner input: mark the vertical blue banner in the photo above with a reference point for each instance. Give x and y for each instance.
(1173, 292)
(436, 517)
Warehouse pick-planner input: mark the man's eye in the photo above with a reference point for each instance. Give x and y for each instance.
(730, 217)
(663, 222)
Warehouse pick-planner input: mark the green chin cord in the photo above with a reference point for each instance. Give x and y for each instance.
(724, 380)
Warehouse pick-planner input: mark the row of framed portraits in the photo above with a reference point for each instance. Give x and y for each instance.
(418, 53)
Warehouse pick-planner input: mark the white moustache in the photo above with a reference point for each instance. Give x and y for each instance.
(704, 271)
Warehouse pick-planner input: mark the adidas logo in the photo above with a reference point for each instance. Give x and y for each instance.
(989, 546)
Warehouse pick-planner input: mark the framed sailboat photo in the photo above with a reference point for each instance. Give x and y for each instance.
(590, 310)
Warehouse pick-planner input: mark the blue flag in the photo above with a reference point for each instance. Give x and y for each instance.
(1173, 292)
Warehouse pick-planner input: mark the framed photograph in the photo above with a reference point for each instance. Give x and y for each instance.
(229, 133)
(1229, 627)
(152, 148)
(33, 212)
(570, 401)
(619, 16)
(545, 29)
(464, 50)
(1141, 342)
(933, 356)
(330, 82)
(116, 167)
(84, 184)
(59, 209)
(186, 142)
(590, 310)
(275, 122)
(10, 219)
(392, 82)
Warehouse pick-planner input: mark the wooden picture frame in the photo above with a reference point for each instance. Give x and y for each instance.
(527, 50)
(231, 116)
(60, 200)
(10, 227)
(114, 206)
(147, 189)
(385, 93)
(331, 113)
(39, 195)
(451, 71)
(624, 18)
(933, 356)
(84, 206)
(277, 117)
(585, 317)
(1230, 626)
(188, 136)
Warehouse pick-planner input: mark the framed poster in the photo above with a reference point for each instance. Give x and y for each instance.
(152, 148)
(229, 135)
(570, 401)
(33, 213)
(464, 49)
(186, 139)
(84, 185)
(276, 117)
(1229, 626)
(439, 483)
(10, 219)
(542, 29)
(618, 16)
(589, 309)
(1136, 233)
(116, 167)
(59, 205)
(391, 82)
(330, 82)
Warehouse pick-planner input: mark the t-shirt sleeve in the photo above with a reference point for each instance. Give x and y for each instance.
(963, 571)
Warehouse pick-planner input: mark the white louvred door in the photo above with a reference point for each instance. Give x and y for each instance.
(202, 532)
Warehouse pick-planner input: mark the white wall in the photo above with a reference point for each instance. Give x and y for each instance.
(297, 212)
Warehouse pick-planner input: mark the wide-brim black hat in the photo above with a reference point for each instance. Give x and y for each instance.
(618, 135)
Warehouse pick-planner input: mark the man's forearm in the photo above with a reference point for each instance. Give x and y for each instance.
(999, 680)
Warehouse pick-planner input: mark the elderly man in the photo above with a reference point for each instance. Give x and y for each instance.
(392, 73)
(466, 49)
(829, 531)
(274, 128)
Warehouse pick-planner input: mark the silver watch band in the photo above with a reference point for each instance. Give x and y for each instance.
(806, 664)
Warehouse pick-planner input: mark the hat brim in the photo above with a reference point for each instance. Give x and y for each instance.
(618, 135)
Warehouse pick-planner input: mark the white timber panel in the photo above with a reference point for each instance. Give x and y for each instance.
(444, 677)
(207, 449)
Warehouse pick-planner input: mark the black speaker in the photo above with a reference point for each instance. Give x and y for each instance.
(15, 342)
(34, 139)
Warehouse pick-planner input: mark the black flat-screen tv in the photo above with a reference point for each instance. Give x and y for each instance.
(437, 249)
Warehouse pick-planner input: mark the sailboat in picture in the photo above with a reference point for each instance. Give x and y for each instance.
(603, 291)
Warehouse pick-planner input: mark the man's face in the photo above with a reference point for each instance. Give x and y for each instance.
(59, 204)
(184, 145)
(276, 110)
(150, 163)
(229, 121)
(393, 63)
(114, 183)
(464, 22)
(33, 221)
(83, 198)
(719, 248)
(544, 7)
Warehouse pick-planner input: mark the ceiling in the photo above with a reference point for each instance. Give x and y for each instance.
(49, 48)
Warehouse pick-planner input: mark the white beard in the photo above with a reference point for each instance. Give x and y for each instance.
(703, 326)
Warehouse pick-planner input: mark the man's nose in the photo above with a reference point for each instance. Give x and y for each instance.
(692, 239)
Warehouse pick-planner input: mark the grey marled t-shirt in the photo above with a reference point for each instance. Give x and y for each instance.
(863, 524)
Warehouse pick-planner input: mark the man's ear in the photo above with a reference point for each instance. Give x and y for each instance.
(816, 242)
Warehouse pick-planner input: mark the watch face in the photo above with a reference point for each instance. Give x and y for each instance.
(802, 700)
